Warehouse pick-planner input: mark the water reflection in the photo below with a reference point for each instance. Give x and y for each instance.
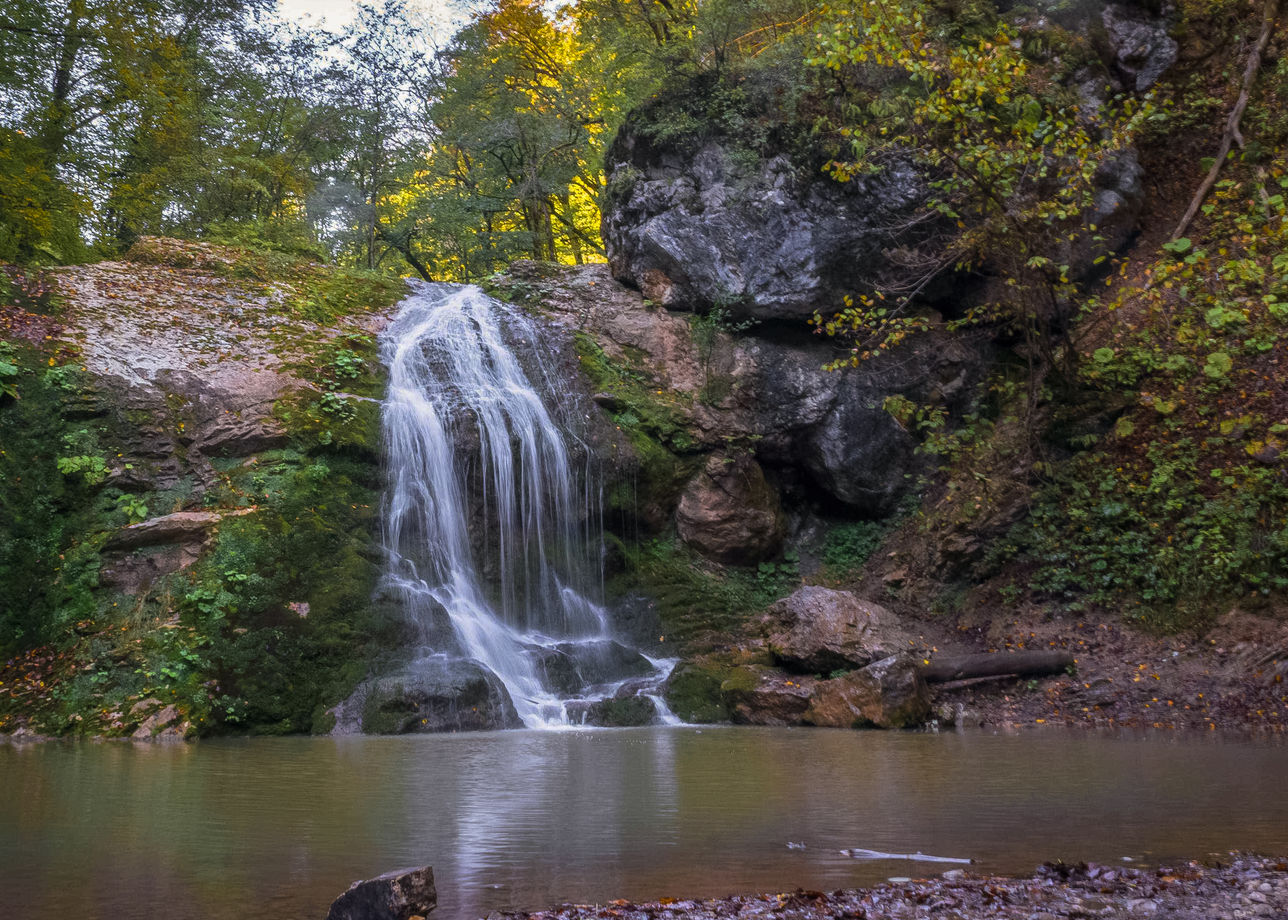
(277, 828)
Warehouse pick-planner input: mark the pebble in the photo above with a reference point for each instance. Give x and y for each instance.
(1242, 887)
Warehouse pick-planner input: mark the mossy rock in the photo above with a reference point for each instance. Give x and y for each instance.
(622, 713)
(695, 691)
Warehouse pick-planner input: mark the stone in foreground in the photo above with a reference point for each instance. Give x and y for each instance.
(398, 895)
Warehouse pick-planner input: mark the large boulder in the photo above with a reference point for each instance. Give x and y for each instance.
(760, 237)
(436, 694)
(728, 512)
(889, 693)
(818, 630)
(398, 895)
(757, 695)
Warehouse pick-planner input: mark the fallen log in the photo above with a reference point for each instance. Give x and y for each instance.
(1020, 664)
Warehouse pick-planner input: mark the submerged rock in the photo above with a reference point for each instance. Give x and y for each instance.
(398, 895)
(818, 630)
(887, 694)
(438, 694)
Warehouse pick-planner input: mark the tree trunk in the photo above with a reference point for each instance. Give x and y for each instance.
(1021, 664)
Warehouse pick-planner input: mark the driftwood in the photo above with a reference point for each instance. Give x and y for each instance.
(1019, 664)
(1231, 135)
(919, 856)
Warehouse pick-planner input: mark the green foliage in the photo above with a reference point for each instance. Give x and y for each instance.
(48, 510)
(39, 215)
(1011, 160)
(1185, 506)
(848, 546)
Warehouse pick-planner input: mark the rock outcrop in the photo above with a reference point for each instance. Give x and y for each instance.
(767, 238)
(1143, 50)
(759, 388)
(399, 895)
(818, 630)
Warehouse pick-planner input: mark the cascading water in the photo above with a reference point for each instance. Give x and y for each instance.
(492, 533)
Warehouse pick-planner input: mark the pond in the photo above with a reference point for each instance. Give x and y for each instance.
(276, 828)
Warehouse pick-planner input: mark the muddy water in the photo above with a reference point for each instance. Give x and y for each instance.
(276, 828)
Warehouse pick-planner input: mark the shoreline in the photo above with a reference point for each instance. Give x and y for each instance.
(1234, 887)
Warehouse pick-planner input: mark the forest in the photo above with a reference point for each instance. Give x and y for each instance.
(385, 145)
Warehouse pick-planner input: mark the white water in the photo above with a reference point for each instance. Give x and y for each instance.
(455, 382)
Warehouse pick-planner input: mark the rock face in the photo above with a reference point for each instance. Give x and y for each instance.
(817, 630)
(728, 511)
(398, 895)
(768, 239)
(1142, 48)
(889, 693)
(827, 428)
(435, 695)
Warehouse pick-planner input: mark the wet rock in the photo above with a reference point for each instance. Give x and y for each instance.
(729, 513)
(437, 694)
(757, 695)
(1142, 48)
(817, 630)
(569, 667)
(693, 691)
(399, 895)
(887, 694)
(622, 712)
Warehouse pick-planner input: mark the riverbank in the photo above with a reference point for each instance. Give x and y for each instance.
(1242, 886)
(1231, 679)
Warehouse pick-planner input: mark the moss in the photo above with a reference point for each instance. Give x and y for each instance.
(698, 600)
(655, 421)
(50, 520)
(693, 691)
(622, 713)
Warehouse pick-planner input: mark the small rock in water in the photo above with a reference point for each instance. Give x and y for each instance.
(795, 846)
(898, 879)
(398, 895)
(953, 875)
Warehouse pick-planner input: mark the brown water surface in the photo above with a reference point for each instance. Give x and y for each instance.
(276, 828)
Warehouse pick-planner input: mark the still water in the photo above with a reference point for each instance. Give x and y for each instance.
(276, 828)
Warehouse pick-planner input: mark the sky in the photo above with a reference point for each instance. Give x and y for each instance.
(439, 14)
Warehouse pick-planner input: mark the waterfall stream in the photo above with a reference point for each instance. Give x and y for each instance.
(492, 524)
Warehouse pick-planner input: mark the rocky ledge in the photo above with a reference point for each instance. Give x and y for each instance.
(1244, 886)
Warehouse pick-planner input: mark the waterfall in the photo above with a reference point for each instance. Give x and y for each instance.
(491, 528)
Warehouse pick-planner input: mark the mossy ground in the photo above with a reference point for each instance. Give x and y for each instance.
(275, 622)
